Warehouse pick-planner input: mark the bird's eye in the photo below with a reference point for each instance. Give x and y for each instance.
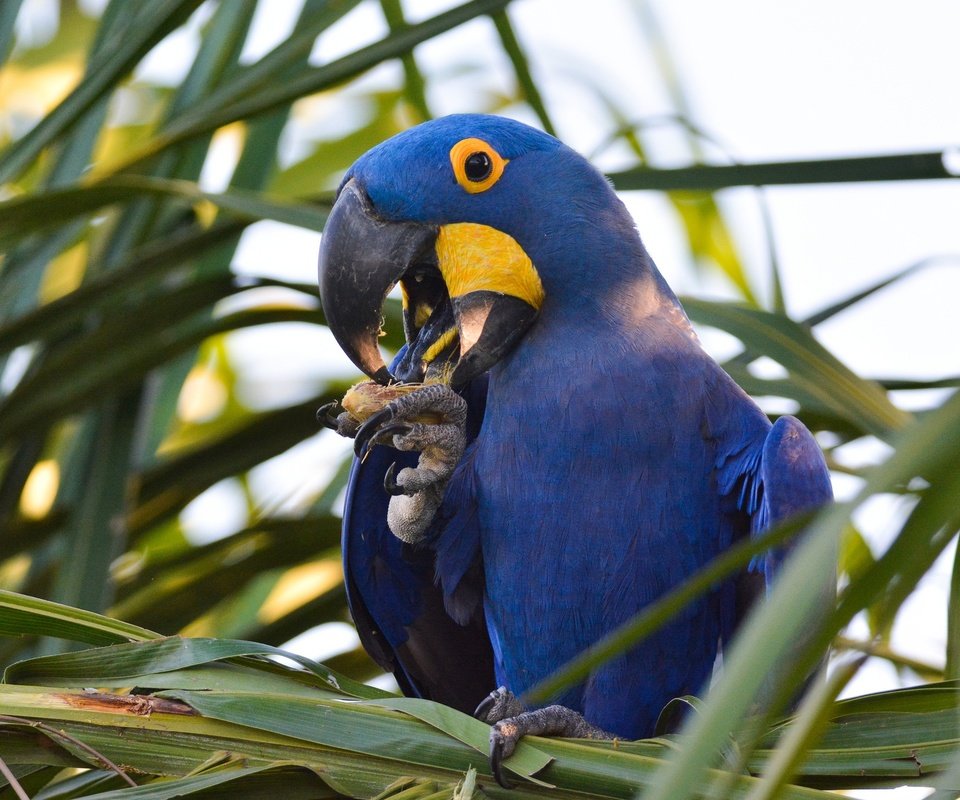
(476, 165)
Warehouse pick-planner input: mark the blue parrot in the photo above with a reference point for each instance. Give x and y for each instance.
(568, 452)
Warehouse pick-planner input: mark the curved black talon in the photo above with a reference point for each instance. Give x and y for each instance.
(384, 435)
(325, 416)
(486, 705)
(496, 762)
(390, 484)
(371, 426)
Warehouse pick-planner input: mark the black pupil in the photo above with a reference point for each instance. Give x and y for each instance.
(478, 167)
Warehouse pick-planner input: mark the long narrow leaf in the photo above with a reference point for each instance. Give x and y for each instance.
(803, 733)
(842, 305)
(35, 212)
(289, 716)
(521, 68)
(277, 779)
(868, 741)
(169, 485)
(314, 80)
(952, 669)
(907, 167)
(414, 84)
(127, 661)
(822, 374)
(33, 404)
(275, 67)
(115, 287)
(86, 583)
(25, 616)
(152, 23)
(357, 748)
(8, 17)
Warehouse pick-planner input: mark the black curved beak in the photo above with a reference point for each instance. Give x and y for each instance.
(490, 324)
(361, 259)
(453, 336)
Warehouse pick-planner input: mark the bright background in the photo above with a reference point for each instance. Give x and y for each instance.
(764, 81)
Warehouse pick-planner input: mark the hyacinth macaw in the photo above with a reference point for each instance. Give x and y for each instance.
(573, 453)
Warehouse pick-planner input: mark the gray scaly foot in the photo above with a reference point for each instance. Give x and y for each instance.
(511, 722)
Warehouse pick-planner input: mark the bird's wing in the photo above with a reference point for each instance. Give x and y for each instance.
(793, 478)
(771, 480)
(391, 590)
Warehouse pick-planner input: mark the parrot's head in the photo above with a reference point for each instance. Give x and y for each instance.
(479, 219)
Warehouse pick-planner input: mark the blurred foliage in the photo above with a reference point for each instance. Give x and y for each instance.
(123, 400)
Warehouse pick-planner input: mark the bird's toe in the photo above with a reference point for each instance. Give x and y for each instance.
(503, 741)
(500, 704)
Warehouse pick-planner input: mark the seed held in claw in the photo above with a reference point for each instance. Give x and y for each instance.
(366, 398)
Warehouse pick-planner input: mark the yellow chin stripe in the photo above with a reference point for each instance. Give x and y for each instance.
(474, 258)
(421, 313)
(438, 346)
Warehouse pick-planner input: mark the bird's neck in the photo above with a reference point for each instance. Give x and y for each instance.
(605, 301)
(614, 335)
(590, 257)
(620, 298)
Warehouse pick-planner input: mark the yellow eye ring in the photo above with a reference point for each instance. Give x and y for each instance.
(476, 165)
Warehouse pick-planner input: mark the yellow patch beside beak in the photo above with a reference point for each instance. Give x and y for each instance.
(474, 258)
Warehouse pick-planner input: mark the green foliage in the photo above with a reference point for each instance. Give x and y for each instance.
(219, 710)
(117, 306)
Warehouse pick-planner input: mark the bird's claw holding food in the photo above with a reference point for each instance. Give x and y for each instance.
(417, 491)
